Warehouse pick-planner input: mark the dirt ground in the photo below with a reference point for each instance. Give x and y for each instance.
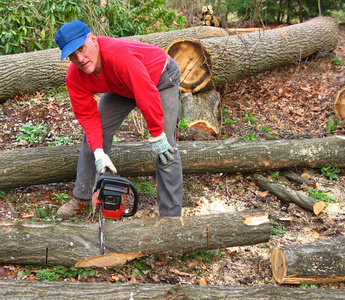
(294, 101)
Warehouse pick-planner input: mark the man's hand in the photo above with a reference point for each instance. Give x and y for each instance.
(103, 162)
(161, 149)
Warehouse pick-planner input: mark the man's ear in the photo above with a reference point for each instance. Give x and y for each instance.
(93, 38)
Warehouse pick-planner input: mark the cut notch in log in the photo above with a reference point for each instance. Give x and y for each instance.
(204, 126)
(339, 104)
(311, 263)
(194, 62)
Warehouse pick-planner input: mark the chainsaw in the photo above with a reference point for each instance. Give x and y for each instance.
(110, 196)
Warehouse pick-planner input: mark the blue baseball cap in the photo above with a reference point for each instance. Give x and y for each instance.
(71, 36)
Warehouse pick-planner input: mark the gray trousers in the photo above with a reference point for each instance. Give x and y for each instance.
(114, 109)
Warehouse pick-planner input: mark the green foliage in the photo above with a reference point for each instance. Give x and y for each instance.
(60, 141)
(272, 11)
(276, 229)
(73, 272)
(307, 286)
(229, 122)
(28, 25)
(250, 136)
(182, 124)
(330, 172)
(337, 61)
(208, 257)
(47, 275)
(332, 124)
(155, 17)
(2, 194)
(322, 196)
(31, 134)
(275, 175)
(62, 197)
(143, 186)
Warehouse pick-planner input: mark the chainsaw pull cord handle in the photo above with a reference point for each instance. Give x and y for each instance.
(136, 200)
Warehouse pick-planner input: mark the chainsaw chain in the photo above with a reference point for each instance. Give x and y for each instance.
(101, 229)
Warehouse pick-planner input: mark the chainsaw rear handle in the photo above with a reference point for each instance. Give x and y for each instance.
(136, 200)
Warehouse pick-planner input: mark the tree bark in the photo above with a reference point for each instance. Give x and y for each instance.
(288, 195)
(312, 263)
(67, 243)
(28, 166)
(27, 289)
(216, 61)
(33, 71)
(295, 177)
(201, 110)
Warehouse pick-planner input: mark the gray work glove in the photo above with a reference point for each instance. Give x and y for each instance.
(161, 149)
(103, 162)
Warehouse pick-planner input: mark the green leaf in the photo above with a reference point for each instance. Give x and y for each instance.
(43, 35)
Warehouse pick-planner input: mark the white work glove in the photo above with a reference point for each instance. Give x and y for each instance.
(161, 149)
(103, 161)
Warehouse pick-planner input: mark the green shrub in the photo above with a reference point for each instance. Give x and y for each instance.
(28, 25)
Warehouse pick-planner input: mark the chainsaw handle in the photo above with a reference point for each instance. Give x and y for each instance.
(136, 200)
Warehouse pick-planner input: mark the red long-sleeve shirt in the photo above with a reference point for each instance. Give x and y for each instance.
(129, 68)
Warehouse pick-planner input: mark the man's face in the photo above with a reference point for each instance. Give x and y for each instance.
(86, 57)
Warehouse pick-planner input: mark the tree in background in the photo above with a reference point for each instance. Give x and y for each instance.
(284, 11)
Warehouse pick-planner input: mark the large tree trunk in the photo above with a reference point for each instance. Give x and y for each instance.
(217, 61)
(67, 243)
(23, 167)
(34, 71)
(312, 263)
(27, 289)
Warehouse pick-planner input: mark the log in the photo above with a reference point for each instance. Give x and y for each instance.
(295, 177)
(17, 71)
(67, 243)
(58, 164)
(201, 110)
(312, 263)
(288, 195)
(339, 104)
(216, 61)
(27, 289)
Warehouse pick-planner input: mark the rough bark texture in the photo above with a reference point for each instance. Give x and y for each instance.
(297, 178)
(31, 72)
(21, 289)
(201, 110)
(68, 243)
(312, 263)
(38, 70)
(23, 167)
(288, 195)
(214, 62)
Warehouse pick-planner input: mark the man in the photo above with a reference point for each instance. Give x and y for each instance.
(129, 74)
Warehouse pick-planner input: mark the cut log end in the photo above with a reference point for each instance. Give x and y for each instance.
(339, 104)
(278, 263)
(194, 63)
(205, 126)
(280, 269)
(318, 207)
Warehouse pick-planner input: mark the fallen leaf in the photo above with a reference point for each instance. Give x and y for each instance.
(204, 281)
(179, 273)
(108, 260)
